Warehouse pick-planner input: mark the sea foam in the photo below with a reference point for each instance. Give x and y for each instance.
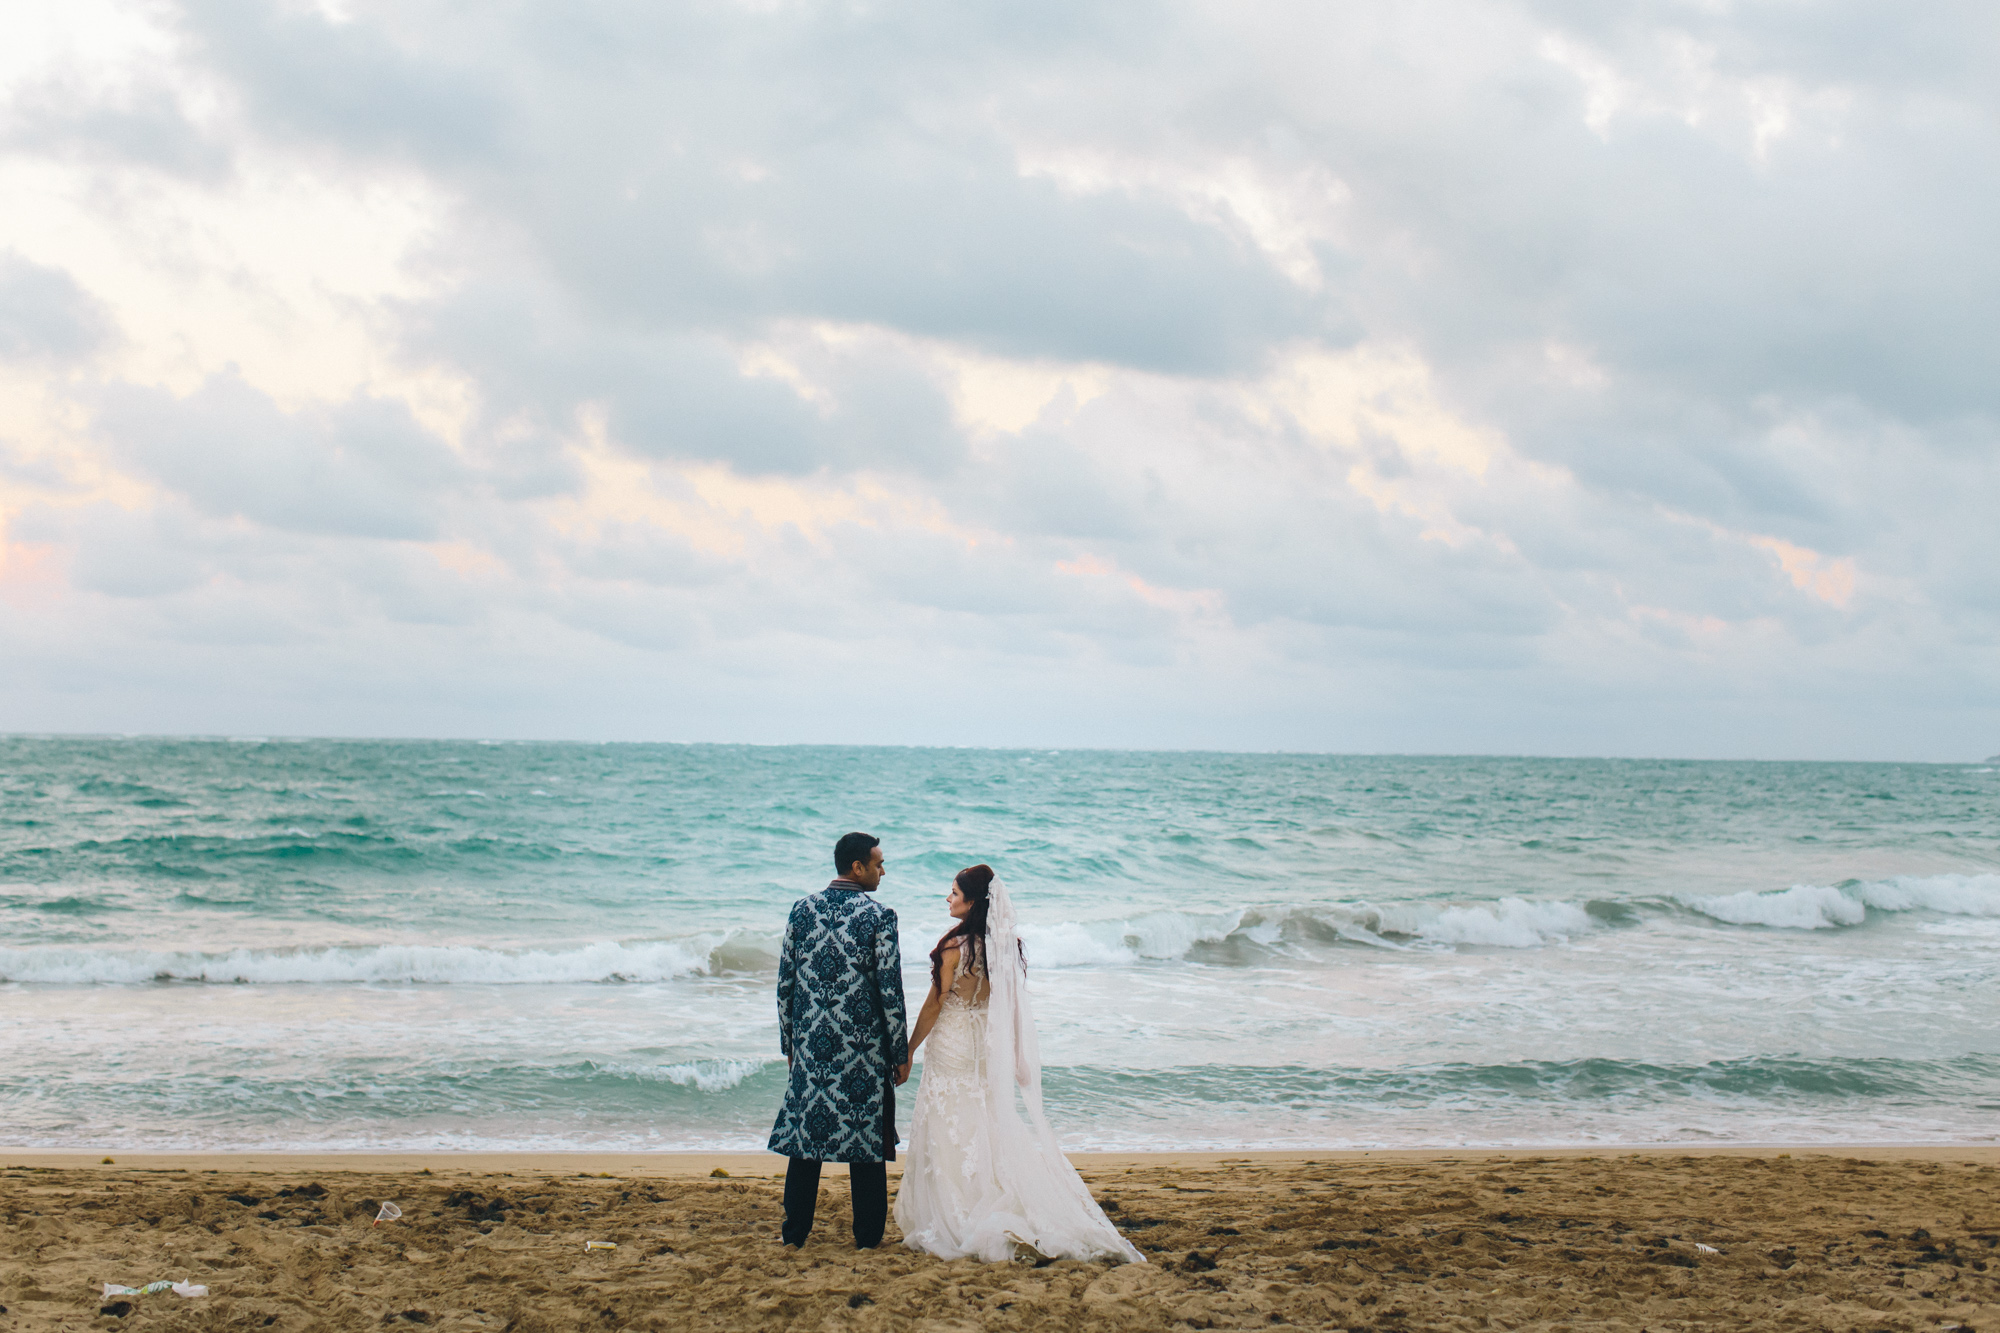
(1801, 907)
(1233, 935)
(701, 1075)
(603, 961)
(1242, 933)
(1511, 923)
(1825, 907)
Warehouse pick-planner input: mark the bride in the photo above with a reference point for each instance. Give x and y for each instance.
(985, 1175)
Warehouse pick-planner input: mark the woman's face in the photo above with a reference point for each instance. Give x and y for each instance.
(957, 903)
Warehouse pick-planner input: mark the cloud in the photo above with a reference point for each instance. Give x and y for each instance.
(142, 126)
(326, 83)
(45, 316)
(117, 551)
(783, 183)
(363, 468)
(1416, 375)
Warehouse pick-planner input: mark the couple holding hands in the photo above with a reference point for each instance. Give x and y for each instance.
(985, 1177)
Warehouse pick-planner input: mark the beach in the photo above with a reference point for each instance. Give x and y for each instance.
(1611, 1239)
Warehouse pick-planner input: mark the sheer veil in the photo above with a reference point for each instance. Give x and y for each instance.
(1014, 1057)
(1043, 1203)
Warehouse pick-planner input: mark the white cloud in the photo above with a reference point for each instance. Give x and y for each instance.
(1423, 375)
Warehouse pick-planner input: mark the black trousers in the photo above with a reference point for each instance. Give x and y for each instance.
(868, 1182)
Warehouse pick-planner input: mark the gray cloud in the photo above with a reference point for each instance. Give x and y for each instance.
(675, 395)
(674, 170)
(146, 128)
(353, 86)
(364, 468)
(1719, 276)
(45, 316)
(117, 551)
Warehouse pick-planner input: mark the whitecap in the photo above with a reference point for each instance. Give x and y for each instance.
(1801, 907)
(1156, 936)
(1510, 923)
(1826, 907)
(601, 961)
(701, 1075)
(1953, 895)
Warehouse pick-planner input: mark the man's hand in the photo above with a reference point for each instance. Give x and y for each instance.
(903, 1073)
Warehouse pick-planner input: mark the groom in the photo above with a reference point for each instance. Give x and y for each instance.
(841, 1027)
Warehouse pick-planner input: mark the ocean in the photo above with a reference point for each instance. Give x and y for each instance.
(411, 945)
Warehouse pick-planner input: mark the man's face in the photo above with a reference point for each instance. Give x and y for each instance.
(870, 875)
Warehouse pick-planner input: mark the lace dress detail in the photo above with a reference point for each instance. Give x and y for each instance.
(958, 1196)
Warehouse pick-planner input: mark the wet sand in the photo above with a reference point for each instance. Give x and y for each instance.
(1849, 1239)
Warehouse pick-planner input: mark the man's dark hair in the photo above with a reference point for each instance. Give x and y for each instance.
(853, 847)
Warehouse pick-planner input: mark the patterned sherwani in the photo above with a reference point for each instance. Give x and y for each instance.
(841, 1021)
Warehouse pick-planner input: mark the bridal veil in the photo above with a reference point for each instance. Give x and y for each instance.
(1024, 1192)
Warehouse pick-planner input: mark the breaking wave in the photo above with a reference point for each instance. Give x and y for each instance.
(1244, 934)
(1235, 936)
(701, 1075)
(1824, 907)
(606, 961)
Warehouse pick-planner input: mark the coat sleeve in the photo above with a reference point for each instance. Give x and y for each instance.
(889, 986)
(788, 981)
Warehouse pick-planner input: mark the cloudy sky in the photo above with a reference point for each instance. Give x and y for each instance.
(1402, 375)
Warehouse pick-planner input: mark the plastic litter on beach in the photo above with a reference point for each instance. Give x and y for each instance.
(151, 1288)
(390, 1212)
(1700, 1248)
(600, 1245)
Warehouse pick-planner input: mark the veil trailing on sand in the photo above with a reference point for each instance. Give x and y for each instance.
(1041, 1201)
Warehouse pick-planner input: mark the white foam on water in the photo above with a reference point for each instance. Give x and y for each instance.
(1511, 923)
(1074, 944)
(1825, 907)
(702, 1075)
(1159, 936)
(1166, 936)
(1952, 895)
(1162, 936)
(603, 961)
(1156, 936)
(1801, 907)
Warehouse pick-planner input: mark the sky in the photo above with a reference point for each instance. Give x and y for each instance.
(1447, 376)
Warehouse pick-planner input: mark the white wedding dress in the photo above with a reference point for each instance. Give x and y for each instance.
(985, 1176)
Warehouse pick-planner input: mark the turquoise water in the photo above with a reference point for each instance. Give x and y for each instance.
(335, 944)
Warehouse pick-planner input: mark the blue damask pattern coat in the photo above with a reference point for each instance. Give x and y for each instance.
(841, 1021)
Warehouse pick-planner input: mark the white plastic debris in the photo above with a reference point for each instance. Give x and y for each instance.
(599, 1245)
(1700, 1248)
(390, 1212)
(153, 1288)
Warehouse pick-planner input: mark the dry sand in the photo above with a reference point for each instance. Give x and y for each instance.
(1858, 1239)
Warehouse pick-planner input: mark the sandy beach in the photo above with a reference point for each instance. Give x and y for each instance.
(1862, 1239)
